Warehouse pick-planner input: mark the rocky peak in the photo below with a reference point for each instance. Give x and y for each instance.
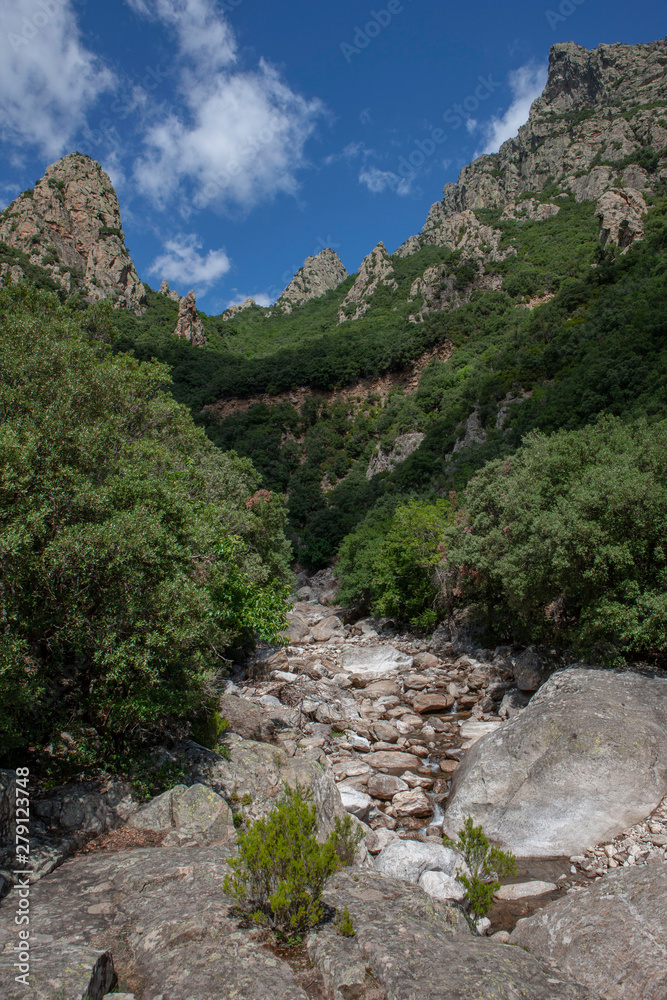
(70, 225)
(236, 309)
(319, 275)
(170, 293)
(376, 268)
(189, 326)
(599, 110)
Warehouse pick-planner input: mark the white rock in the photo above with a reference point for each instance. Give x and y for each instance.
(355, 802)
(409, 859)
(521, 890)
(442, 886)
(374, 661)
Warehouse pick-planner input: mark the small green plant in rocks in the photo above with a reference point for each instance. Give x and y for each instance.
(345, 923)
(281, 870)
(486, 865)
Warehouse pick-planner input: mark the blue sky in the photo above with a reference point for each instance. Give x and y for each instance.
(244, 135)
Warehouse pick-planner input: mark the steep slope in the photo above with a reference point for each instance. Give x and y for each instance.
(69, 225)
(319, 275)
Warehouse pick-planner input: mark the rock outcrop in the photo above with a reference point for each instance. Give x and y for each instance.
(584, 761)
(415, 946)
(170, 293)
(375, 269)
(612, 937)
(236, 309)
(69, 224)
(620, 213)
(189, 326)
(319, 275)
(593, 131)
(386, 461)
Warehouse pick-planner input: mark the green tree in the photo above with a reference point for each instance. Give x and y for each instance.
(565, 541)
(486, 864)
(119, 525)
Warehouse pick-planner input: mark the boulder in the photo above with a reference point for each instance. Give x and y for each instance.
(255, 777)
(354, 801)
(426, 661)
(439, 702)
(417, 947)
(382, 689)
(586, 760)
(392, 759)
(413, 802)
(197, 814)
(385, 786)
(374, 662)
(384, 732)
(520, 890)
(442, 886)
(533, 667)
(247, 719)
(612, 935)
(378, 839)
(163, 916)
(409, 859)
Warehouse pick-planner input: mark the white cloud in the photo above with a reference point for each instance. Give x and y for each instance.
(471, 124)
(202, 34)
(183, 264)
(240, 136)
(377, 181)
(48, 78)
(526, 83)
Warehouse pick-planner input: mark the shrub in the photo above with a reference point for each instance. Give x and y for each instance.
(133, 551)
(281, 870)
(565, 541)
(486, 865)
(345, 923)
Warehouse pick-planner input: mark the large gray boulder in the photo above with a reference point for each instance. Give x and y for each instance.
(612, 937)
(160, 916)
(374, 662)
(409, 859)
(255, 776)
(196, 814)
(410, 946)
(586, 760)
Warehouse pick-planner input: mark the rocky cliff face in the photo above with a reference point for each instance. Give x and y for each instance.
(189, 326)
(319, 275)
(70, 226)
(597, 133)
(375, 269)
(236, 309)
(601, 123)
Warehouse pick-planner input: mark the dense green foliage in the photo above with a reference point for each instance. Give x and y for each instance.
(565, 540)
(393, 561)
(486, 864)
(281, 870)
(133, 551)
